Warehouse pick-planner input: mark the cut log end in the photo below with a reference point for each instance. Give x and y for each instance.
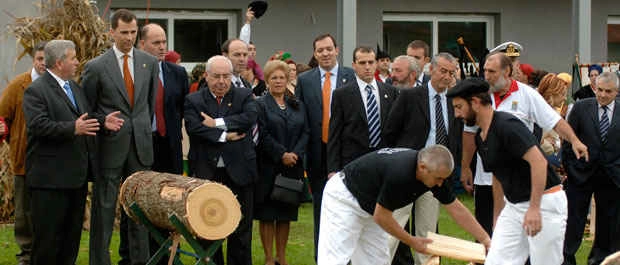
(210, 211)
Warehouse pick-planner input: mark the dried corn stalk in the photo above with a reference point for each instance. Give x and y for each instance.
(6, 185)
(74, 20)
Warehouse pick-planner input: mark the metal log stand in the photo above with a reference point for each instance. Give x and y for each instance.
(171, 243)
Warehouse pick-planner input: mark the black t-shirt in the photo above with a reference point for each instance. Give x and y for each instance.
(502, 153)
(388, 177)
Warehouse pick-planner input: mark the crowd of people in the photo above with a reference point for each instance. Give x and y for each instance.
(380, 141)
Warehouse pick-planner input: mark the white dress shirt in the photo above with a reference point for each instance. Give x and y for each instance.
(61, 82)
(119, 59)
(34, 75)
(375, 90)
(430, 140)
(610, 111)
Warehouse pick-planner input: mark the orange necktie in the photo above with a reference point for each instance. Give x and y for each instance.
(128, 80)
(327, 93)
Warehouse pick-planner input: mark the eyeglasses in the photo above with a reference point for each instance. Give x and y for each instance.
(220, 76)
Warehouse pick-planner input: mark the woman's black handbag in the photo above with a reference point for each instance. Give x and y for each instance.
(287, 190)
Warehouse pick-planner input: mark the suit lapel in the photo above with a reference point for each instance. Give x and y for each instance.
(615, 119)
(425, 104)
(227, 102)
(357, 101)
(167, 79)
(112, 68)
(139, 73)
(383, 97)
(317, 93)
(273, 105)
(342, 78)
(595, 118)
(450, 115)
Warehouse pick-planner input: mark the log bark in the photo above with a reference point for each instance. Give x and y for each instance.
(455, 248)
(208, 209)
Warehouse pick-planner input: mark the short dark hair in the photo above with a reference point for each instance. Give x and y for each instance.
(420, 44)
(227, 43)
(362, 49)
(124, 15)
(38, 47)
(485, 98)
(322, 37)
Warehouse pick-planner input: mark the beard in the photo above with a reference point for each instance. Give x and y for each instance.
(470, 121)
(470, 118)
(499, 84)
(400, 83)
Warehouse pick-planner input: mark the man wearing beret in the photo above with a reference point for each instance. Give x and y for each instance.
(530, 205)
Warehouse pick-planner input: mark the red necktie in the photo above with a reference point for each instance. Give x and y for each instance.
(159, 110)
(219, 100)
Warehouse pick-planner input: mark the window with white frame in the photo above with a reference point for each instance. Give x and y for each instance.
(613, 39)
(439, 31)
(196, 36)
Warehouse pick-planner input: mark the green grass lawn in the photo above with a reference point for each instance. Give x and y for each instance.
(300, 248)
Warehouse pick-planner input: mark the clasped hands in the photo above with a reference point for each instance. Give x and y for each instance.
(289, 159)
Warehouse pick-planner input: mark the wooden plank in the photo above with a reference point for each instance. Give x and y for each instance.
(455, 248)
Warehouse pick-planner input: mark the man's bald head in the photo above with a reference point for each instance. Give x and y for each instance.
(153, 41)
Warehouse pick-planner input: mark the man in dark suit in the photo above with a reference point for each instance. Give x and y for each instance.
(169, 99)
(314, 89)
(60, 156)
(124, 80)
(596, 121)
(236, 51)
(358, 111)
(421, 117)
(172, 88)
(218, 120)
(420, 50)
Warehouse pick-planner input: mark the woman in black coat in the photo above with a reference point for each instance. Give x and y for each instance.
(283, 138)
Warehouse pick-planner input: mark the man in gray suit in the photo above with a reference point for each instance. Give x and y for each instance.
(123, 80)
(314, 89)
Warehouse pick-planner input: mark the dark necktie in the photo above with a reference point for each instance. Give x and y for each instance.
(238, 83)
(69, 93)
(441, 137)
(372, 113)
(604, 125)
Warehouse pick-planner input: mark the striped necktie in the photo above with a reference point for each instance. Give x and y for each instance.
(441, 137)
(604, 125)
(372, 113)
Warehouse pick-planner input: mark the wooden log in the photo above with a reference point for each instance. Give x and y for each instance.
(209, 210)
(455, 248)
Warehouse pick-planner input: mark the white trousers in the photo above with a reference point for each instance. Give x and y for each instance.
(348, 233)
(510, 244)
(426, 216)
